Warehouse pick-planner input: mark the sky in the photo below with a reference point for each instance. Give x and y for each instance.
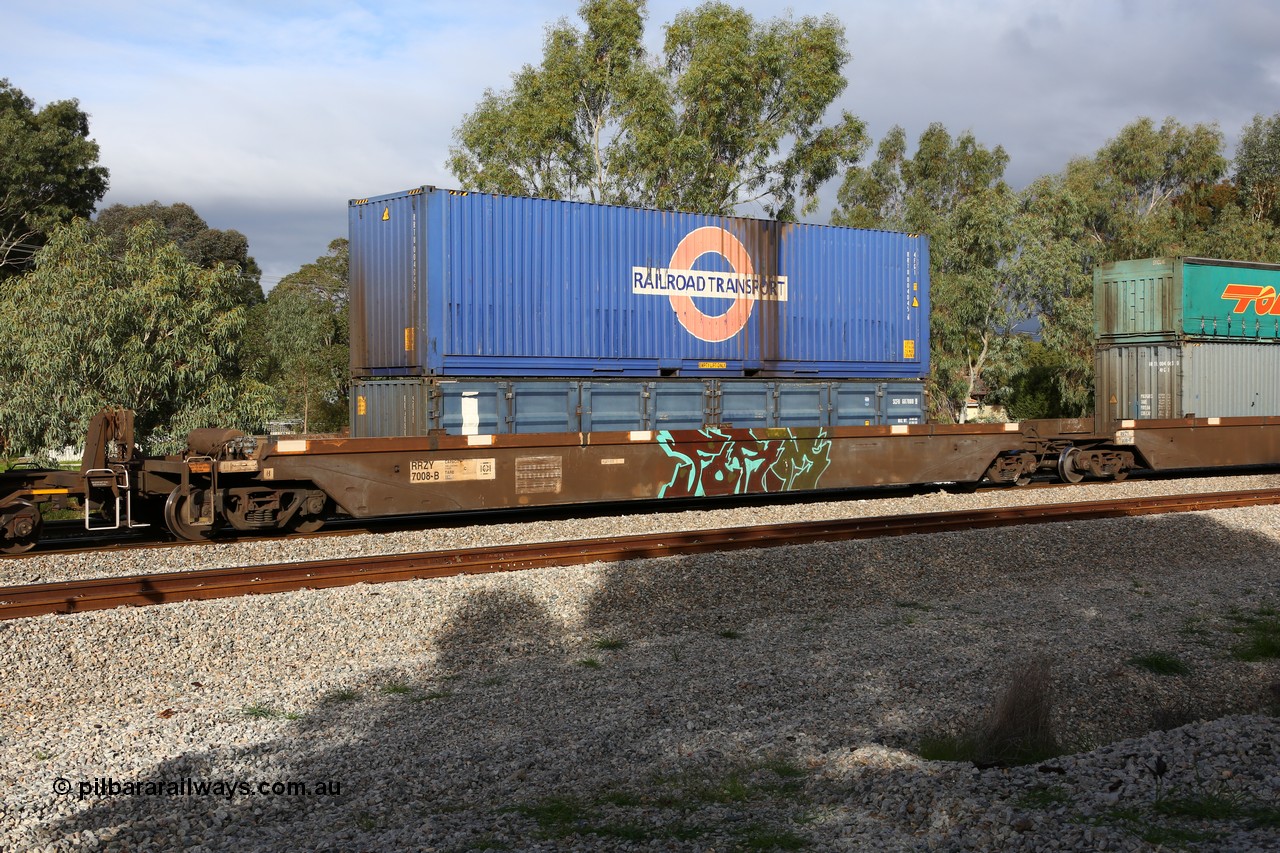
(266, 116)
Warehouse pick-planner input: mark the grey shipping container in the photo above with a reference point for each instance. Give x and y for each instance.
(453, 284)
(1173, 379)
(417, 405)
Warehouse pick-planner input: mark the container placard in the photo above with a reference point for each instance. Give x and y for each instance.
(450, 470)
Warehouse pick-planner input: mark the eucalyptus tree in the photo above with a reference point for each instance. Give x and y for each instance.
(952, 189)
(730, 114)
(299, 342)
(144, 329)
(49, 173)
(1143, 194)
(203, 246)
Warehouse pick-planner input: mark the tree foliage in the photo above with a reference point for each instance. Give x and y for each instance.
(49, 173)
(201, 245)
(1257, 169)
(954, 191)
(301, 342)
(730, 114)
(1150, 191)
(146, 330)
(559, 131)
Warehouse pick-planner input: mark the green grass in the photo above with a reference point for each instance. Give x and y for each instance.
(946, 748)
(770, 838)
(783, 768)
(397, 688)
(1261, 634)
(1016, 730)
(1203, 806)
(260, 712)
(610, 644)
(1164, 835)
(730, 789)
(1177, 821)
(1161, 663)
(342, 696)
(695, 805)
(433, 695)
(590, 663)
(730, 634)
(1044, 797)
(555, 813)
(1220, 805)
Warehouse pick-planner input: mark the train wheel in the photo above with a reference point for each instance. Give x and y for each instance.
(23, 531)
(175, 518)
(1067, 469)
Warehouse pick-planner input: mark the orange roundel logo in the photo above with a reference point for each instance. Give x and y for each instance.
(712, 239)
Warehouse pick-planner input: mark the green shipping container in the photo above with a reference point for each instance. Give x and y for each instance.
(1171, 299)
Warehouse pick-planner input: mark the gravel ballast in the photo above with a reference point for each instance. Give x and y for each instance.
(757, 700)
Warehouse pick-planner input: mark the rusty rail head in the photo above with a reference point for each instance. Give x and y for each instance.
(104, 593)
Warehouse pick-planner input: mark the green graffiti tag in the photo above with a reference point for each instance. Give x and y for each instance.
(713, 461)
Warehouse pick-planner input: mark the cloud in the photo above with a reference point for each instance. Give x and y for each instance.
(268, 117)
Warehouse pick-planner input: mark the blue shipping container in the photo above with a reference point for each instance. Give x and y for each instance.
(453, 284)
(416, 405)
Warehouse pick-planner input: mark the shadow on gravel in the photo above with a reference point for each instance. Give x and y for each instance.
(715, 702)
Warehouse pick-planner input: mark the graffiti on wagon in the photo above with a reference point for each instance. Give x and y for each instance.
(713, 461)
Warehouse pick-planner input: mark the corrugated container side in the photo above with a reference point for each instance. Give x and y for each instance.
(1172, 380)
(456, 284)
(615, 406)
(747, 404)
(902, 403)
(680, 405)
(542, 407)
(1136, 299)
(1139, 381)
(386, 306)
(1231, 380)
(1161, 300)
(414, 406)
(390, 408)
(469, 408)
(855, 403)
(803, 404)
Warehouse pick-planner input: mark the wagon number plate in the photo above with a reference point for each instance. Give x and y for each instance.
(450, 470)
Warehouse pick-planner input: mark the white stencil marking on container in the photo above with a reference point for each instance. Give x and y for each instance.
(613, 462)
(470, 412)
(479, 440)
(292, 445)
(450, 470)
(539, 475)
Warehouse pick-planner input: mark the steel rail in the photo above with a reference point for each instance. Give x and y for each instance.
(202, 584)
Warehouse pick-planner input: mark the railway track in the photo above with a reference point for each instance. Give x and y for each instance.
(104, 593)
